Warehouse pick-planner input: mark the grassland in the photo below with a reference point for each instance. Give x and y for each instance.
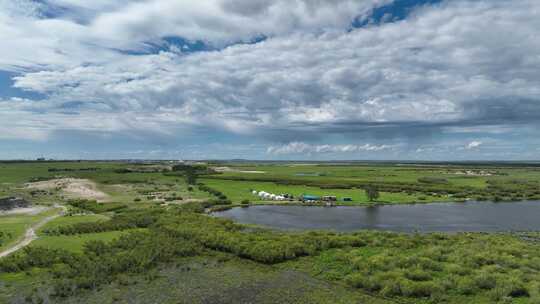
(75, 243)
(397, 183)
(238, 191)
(71, 220)
(149, 243)
(13, 227)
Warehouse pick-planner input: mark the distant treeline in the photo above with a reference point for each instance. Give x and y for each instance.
(72, 169)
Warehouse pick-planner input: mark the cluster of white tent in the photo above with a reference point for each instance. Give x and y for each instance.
(269, 196)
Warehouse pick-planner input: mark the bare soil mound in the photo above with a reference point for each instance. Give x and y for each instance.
(72, 187)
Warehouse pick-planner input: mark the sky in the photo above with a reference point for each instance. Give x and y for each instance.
(270, 79)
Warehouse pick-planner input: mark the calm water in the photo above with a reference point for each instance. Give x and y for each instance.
(443, 217)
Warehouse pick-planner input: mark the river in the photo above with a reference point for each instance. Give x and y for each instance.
(435, 217)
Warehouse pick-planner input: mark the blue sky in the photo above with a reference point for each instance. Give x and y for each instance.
(270, 79)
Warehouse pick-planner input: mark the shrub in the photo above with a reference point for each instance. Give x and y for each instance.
(432, 180)
(355, 280)
(245, 202)
(417, 274)
(419, 289)
(458, 269)
(466, 286)
(372, 284)
(392, 289)
(391, 283)
(485, 281)
(513, 288)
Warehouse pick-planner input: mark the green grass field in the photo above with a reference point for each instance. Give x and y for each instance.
(359, 173)
(70, 220)
(397, 183)
(75, 243)
(240, 190)
(14, 226)
(176, 255)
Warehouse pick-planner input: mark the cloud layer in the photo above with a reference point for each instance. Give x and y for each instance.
(106, 66)
(303, 148)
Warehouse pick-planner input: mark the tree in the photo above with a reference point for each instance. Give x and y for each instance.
(372, 193)
(191, 177)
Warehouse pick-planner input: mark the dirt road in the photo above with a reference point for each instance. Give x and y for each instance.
(30, 234)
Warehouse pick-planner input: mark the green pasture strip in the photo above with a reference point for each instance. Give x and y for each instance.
(16, 225)
(71, 220)
(240, 190)
(390, 173)
(21, 172)
(75, 243)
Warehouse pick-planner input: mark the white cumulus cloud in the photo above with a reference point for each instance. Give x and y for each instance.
(304, 148)
(456, 66)
(473, 145)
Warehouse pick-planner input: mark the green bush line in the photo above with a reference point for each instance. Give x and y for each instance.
(261, 245)
(95, 207)
(124, 221)
(221, 198)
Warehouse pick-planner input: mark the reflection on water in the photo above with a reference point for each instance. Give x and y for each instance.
(444, 217)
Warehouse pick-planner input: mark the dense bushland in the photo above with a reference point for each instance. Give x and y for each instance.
(259, 245)
(95, 207)
(101, 263)
(434, 267)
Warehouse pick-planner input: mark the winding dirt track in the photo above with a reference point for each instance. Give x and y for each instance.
(30, 234)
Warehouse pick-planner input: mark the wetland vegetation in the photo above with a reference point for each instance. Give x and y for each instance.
(151, 239)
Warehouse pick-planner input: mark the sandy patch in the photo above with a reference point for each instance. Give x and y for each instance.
(72, 187)
(193, 200)
(229, 169)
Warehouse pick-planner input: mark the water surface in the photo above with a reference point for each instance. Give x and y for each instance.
(442, 217)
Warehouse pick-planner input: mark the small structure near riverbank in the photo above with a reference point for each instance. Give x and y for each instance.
(329, 198)
(308, 198)
(270, 196)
